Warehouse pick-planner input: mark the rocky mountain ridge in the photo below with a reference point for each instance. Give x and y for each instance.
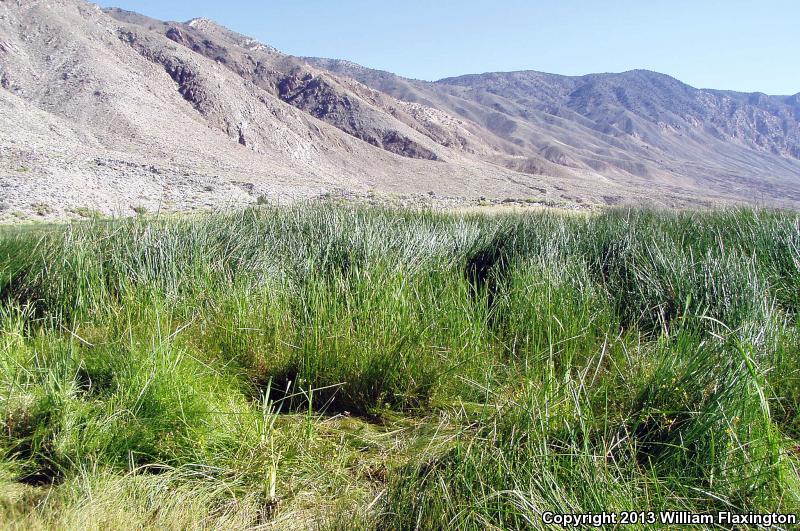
(112, 111)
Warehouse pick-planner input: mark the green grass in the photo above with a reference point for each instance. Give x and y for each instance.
(86, 212)
(361, 368)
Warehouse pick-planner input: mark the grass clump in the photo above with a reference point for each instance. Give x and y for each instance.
(85, 212)
(42, 209)
(356, 367)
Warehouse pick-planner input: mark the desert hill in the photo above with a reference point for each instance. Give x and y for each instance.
(113, 111)
(636, 123)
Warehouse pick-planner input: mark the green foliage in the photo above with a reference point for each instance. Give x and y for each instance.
(371, 368)
(42, 209)
(86, 212)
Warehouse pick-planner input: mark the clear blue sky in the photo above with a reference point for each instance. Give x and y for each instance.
(734, 44)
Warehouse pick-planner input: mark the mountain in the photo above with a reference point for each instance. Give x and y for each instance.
(637, 123)
(110, 110)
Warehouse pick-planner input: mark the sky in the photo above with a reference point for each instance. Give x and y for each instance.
(736, 45)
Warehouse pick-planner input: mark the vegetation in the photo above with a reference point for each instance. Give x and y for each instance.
(347, 367)
(86, 212)
(42, 209)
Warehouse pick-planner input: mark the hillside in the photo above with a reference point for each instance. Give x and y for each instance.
(112, 111)
(636, 123)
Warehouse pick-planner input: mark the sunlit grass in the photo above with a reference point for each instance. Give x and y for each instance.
(365, 368)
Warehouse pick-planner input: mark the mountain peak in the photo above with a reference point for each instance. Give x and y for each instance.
(194, 114)
(200, 22)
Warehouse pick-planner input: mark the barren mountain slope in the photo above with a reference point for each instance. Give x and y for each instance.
(145, 121)
(637, 123)
(114, 111)
(407, 129)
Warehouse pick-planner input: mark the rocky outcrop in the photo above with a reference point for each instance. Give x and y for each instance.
(292, 81)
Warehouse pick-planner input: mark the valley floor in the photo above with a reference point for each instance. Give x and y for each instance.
(323, 366)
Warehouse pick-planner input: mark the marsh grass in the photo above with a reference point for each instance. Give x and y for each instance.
(349, 367)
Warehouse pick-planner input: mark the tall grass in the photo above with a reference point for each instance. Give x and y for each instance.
(357, 367)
